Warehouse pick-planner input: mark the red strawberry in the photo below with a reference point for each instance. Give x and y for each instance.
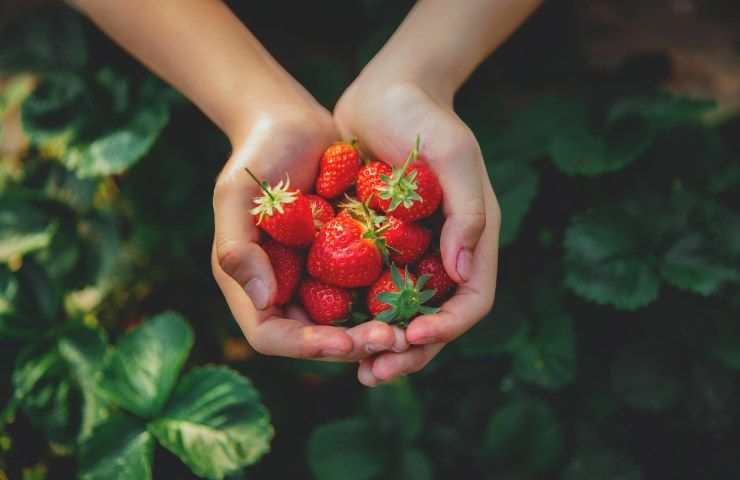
(368, 181)
(406, 241)
(432, 265)
(321, 210)
(348, 251)
(397, 297)
(287, 265)
(326, 304)
(284, 214)
(337, 169)
(412, 191)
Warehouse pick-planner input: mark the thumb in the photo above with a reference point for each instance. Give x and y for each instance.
(248, 264)
(237, 251)
(465, 218)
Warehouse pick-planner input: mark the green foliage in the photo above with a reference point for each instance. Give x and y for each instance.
(145, 365)
(524, 436)
(612, 350)
(214, 422)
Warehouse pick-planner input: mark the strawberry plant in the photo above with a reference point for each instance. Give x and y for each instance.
(612, 350)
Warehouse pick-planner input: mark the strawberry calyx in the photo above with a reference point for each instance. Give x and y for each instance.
(372, 223)
(400, 187)
(362, 209)
(407, 301)
(274, 197)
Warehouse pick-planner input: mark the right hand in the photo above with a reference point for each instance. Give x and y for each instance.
(286, 138)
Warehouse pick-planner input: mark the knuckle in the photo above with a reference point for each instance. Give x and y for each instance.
(227, 257)
(307, 345)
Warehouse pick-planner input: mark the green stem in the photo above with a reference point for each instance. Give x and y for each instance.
(260, 183)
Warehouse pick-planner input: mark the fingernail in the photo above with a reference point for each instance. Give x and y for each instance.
(257, 291)
(424, 341)
(464, 264)
(373, 347)
(331, 352)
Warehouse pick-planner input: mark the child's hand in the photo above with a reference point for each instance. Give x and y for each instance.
(386, 117)
(291, 140)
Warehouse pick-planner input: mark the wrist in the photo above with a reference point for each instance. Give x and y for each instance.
(385, 72)
(277, 101)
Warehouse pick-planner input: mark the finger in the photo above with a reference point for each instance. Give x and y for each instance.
(236, 237)
(399, 344)
(370, 337)
(472, 300)
(270, 333)
(465, 216)
(387, 366)
(365, 372)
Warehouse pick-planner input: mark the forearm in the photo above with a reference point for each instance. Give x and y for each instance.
(204, 51)
(441, 42)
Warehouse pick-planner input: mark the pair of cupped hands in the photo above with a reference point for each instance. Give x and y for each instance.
(287, 133)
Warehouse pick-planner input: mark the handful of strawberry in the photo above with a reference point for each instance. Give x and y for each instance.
(353, 258)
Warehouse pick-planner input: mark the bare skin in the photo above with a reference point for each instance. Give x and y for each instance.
(275, 126)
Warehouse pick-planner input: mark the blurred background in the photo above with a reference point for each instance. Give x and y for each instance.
(612, 138)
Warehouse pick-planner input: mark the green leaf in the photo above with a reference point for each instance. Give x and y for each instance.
(594, 459)
(504, 330)
(607, 260)
(57, 107)
(146, 363)
(516, 186)
(214, 422)
(726, 347)
(413, 464)
(523, 435)
(396, 408)
(95, 127)
(530, 131)
(577, 150)
(645, 377)
(694, 263)
(50, 37)
(548, 360)
(713, 398)
(661, 109)
(350, 449)
(24, 228)
(54, 378)
(120, 449)
(115, 151)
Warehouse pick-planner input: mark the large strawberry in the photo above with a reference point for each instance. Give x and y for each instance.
(338, 168)
(321, 210)
(398, 297)
(368, 182)
(284, 214)
(406, 241)
(326, 304)
(348, 251)
(287, 265)
(412, 191)
(439, 281)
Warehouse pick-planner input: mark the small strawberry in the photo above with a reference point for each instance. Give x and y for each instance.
(412, 191)
(406, 241)
(398, 297)
(284, 214)
(326, 304)
(348, 251)
(431, 264)
(368, 182)
(338, 168)
(321, 210)
(287, 265)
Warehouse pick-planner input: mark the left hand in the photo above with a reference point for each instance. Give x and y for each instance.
(386, 116)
